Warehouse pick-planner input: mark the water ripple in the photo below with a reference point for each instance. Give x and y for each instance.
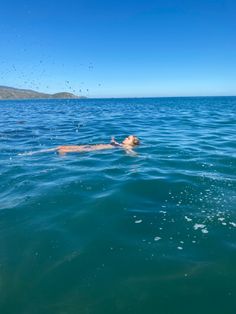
(106, 221)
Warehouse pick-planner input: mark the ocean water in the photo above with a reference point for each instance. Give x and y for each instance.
(105, 232)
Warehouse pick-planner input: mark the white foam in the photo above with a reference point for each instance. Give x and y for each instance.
(162, 211)
(199, 226)
(138, 221)
(187, 218)
(157, 238)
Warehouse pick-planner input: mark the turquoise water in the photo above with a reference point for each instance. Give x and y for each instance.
(106, 232)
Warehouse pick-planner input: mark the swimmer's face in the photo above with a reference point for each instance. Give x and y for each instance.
(131, 141)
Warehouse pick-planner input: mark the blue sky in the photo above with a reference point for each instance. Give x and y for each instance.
(120, 48)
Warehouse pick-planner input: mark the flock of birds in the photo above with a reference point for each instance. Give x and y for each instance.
(27, 81)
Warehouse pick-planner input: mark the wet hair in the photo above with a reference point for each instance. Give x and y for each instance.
(136, 141)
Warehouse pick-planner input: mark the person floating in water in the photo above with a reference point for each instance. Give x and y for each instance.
(128, 144)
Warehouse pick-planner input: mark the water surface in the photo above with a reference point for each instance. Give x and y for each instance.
(106, 232)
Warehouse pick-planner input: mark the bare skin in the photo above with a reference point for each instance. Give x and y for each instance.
(128, 144)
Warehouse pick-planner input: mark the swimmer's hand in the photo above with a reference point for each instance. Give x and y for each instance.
(114, 142)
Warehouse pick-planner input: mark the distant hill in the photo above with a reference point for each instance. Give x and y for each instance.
(17, 93)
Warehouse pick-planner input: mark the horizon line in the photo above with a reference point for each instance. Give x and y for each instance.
(94, 98)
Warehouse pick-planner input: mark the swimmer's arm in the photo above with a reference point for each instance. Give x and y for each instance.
(114, 142)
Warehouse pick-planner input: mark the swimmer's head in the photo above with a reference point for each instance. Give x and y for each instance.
(131, 141)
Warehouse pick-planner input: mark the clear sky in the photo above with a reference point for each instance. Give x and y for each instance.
(121, 48)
